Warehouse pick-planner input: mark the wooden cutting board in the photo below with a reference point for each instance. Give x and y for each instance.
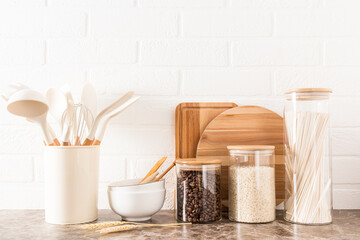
(190, 121)
(245, 125)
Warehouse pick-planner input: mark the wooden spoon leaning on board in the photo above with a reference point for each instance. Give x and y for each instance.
(245, 125)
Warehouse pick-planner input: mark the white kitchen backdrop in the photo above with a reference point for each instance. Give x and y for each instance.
(172, 51)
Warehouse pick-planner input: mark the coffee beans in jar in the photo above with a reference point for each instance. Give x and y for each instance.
(198, 190)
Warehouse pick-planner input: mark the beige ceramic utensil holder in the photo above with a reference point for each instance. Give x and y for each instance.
(71, 184)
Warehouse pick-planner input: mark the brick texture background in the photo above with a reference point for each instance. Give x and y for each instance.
(171, 51)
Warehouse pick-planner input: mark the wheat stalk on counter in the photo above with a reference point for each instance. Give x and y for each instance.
(137, 225)
(121, 228)
(117, 226)
(103, 224)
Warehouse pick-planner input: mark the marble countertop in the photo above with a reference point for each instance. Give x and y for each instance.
(29, 224)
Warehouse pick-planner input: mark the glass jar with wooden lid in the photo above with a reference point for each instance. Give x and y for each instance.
(308, 181)
(252, 183)
(198, 190)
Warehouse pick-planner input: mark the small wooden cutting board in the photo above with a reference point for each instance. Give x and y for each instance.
(191, 119)
(245, 125)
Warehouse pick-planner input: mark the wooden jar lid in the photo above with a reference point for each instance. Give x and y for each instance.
(309, 90)
(308, 94)
(198, 161)
(251, 147)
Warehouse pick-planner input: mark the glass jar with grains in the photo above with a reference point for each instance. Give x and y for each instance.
(198, 190)
(252, 184)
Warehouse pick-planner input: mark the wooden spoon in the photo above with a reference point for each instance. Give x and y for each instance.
(150, 179)
(154, 168)
(166, 171)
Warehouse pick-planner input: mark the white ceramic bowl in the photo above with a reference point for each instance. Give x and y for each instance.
(134, 202)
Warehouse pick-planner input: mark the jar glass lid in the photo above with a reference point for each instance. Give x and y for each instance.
(198, 161)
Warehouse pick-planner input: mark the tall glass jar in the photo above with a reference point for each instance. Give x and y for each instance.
(308, 183)
(198, 190)
(252, 183)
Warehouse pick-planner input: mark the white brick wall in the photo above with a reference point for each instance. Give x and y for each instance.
(276, 52)
(183, 53)
(76, 51)
(22, 52)
(172, 51)
(41, 23)
(133, 23)
(226, 23)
